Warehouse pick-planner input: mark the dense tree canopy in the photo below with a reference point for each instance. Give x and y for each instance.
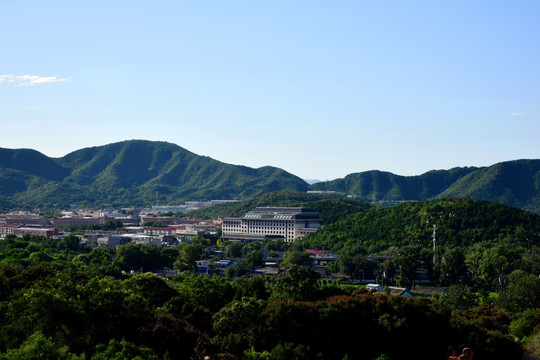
(59, 299)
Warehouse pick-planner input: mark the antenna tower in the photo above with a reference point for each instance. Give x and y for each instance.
(434, 241)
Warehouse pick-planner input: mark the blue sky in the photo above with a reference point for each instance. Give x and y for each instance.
(321, 89)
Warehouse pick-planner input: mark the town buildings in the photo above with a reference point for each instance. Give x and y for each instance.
(286, 223)
(19, 229)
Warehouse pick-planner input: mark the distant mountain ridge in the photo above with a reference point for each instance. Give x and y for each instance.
(141, 173)
(135, 172)
(515, 183)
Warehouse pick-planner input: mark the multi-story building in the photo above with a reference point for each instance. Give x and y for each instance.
(6, 229)
(28, 220)
(159, 231)
(27, 230)
(287, 223)
(80, 221)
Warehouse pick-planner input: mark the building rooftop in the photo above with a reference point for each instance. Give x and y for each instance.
(280, 213)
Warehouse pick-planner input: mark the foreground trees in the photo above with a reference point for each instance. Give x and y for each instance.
(60, 300)
(65, 314)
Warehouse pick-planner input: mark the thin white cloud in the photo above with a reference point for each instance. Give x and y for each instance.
(29, 80)
(517, 113)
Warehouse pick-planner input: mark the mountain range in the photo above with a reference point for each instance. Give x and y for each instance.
(139, 172)
(134, 172)
(515, 183)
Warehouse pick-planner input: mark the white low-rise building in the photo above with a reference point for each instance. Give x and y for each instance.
(287, 223)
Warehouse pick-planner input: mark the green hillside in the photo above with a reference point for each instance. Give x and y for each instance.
(515, 183)
(143, 173)
(131, 173)
(384, 186)
(330, 208)
(459, 223)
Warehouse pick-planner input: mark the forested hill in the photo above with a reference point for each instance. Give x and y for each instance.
(140, 173)
(459, 223)
(330, 208)
(515, 183)
(132, 172)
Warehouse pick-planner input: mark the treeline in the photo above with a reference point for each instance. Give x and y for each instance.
(331, 208)
(59, 300)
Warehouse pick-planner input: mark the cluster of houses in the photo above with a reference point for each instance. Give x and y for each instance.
(171, 230)
(277, 223)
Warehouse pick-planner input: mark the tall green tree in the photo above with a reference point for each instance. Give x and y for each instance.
(238, 323)
(452, 265)
(234, 249)
(39, 347)
(189, 254)
(121, 350)
(486, 266)
(140, 256)
(299, 283)
(406, 261)
(300, 258)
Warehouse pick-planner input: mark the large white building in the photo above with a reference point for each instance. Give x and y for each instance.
(287, 223)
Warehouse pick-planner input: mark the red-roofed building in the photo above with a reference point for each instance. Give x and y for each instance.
(26, 230)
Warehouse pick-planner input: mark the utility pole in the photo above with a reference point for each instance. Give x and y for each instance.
(434, 240)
